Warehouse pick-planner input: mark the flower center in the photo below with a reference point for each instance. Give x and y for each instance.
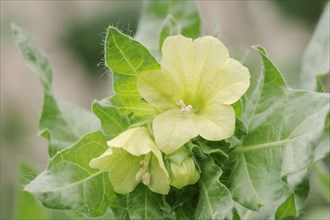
(185, 109)
(143, 173)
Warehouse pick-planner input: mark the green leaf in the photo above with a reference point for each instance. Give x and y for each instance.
(126, 58)
(27, 207)
(287, 209)
(322, 148)
(69, 183)
(155, 17)
(62, 124)
(215, 201)
(125, 85)
(316, 59)
(282, 127)
(113, 123)
(323, 179)
(299, 189)
(299, 186)
(144, 204)
(120, 207)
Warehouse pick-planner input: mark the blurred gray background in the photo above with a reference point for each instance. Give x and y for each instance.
(71, 34)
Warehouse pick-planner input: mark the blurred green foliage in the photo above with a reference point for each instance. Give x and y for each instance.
(85, 39)
(308, 11)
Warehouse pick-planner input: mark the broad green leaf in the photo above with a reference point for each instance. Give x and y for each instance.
(62, 124)
(126, 58)
(113, 123)
(27, 207)
(215, 201)
(316, 59)
(287, 209)
(69, 183)
(282, 127)
(155, 15)
(284, 207)
(144, 204)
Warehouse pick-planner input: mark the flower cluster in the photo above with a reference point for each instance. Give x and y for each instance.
(193, 91)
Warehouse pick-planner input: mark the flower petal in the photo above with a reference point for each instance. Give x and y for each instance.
(101, 162)
(159, 89)
(187, 61)
(215, 122)
(159, 178)
(172, 130)
(178, 58)
(228, 84)
(122, 168)
(136, 141)
(122, 171)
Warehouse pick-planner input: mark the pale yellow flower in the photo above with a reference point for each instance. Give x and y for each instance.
(132, 157)
(194, 88)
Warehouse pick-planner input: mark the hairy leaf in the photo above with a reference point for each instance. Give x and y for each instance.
(144, 204)
(126, 58)
(215, 201)
(113, 123)
(62, 124)
(69, 182)
(280, 137)
(316, 59)
(156, 14)
(27, 207)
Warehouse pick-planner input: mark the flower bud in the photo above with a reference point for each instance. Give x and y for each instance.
(182, 169)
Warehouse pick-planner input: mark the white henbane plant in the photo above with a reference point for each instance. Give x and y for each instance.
(196, 136)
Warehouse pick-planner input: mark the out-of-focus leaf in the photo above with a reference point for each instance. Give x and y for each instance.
(144, 204)
(316, 59)
(62, 124)
(280, 137)
(156, 13)
(126, 58)
(215, 201)
(319, 213)
(170, 27)
(69, 183)
(323, 177)
(322, 148)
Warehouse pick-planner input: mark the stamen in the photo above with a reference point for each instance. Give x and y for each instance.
(185, 109)
(143, 174)
(139, 174)
(146, 178)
